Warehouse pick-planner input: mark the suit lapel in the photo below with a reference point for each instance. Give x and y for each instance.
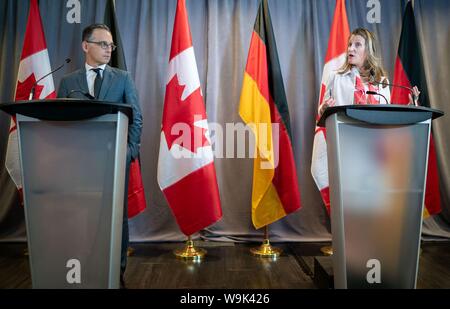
(108, 80)
(82, 81)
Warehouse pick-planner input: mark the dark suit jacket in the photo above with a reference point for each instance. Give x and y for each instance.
(118, 87)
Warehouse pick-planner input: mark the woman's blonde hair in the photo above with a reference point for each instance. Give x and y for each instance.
(372, 65)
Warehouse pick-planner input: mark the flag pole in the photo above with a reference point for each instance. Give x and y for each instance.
(189, 252)
(266, 250)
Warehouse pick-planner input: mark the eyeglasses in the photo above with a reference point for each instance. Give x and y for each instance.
(104, 45)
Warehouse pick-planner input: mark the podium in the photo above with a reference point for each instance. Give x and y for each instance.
(377, 166)
(73, 157)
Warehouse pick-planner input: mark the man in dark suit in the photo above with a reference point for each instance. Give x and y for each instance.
(102, 82)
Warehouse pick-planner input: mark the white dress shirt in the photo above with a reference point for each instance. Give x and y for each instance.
(341, 87)
(90, 76)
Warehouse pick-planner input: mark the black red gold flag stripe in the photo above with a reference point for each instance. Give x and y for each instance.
(409, 71)
(263, 106)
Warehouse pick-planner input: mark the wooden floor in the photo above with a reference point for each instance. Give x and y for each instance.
(227, 266)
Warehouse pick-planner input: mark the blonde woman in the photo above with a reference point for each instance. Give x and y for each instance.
(361, 72)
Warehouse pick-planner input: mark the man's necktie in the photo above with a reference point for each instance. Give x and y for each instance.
(97, 82)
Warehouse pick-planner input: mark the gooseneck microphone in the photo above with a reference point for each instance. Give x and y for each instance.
(384, 84)
(376, 93)
(85, 94)
(33, 88)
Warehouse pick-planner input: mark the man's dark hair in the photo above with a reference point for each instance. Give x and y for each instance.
(87, 32)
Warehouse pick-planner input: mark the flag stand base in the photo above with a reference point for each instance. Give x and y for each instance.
(327, 250)
(266, 250)
(130, 251)
(189, 252)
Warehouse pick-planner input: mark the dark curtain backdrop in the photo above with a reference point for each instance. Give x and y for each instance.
(221, 31)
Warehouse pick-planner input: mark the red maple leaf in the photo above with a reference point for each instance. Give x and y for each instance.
(23, 89)
(23, 93)
(182, 114)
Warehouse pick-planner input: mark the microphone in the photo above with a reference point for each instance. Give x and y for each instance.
(384, 84)
(86, 94)
(376, 93)
(31, 97)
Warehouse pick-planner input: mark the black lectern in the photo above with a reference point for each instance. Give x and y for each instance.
(73, 155)
(377, 165)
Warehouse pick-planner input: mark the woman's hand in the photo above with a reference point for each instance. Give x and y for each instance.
(414, 99)
(327, 103)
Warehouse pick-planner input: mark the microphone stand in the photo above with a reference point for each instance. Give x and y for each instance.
(85, 94)
(411, 91)
(33, 88)
(377, 93)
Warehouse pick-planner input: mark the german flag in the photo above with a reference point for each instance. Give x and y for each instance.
(264, 108)
(110, 19)
(136, 194)
(409, 72)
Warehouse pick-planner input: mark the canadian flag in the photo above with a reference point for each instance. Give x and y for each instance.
(335, 58)
(34, 63)
(186, 172)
